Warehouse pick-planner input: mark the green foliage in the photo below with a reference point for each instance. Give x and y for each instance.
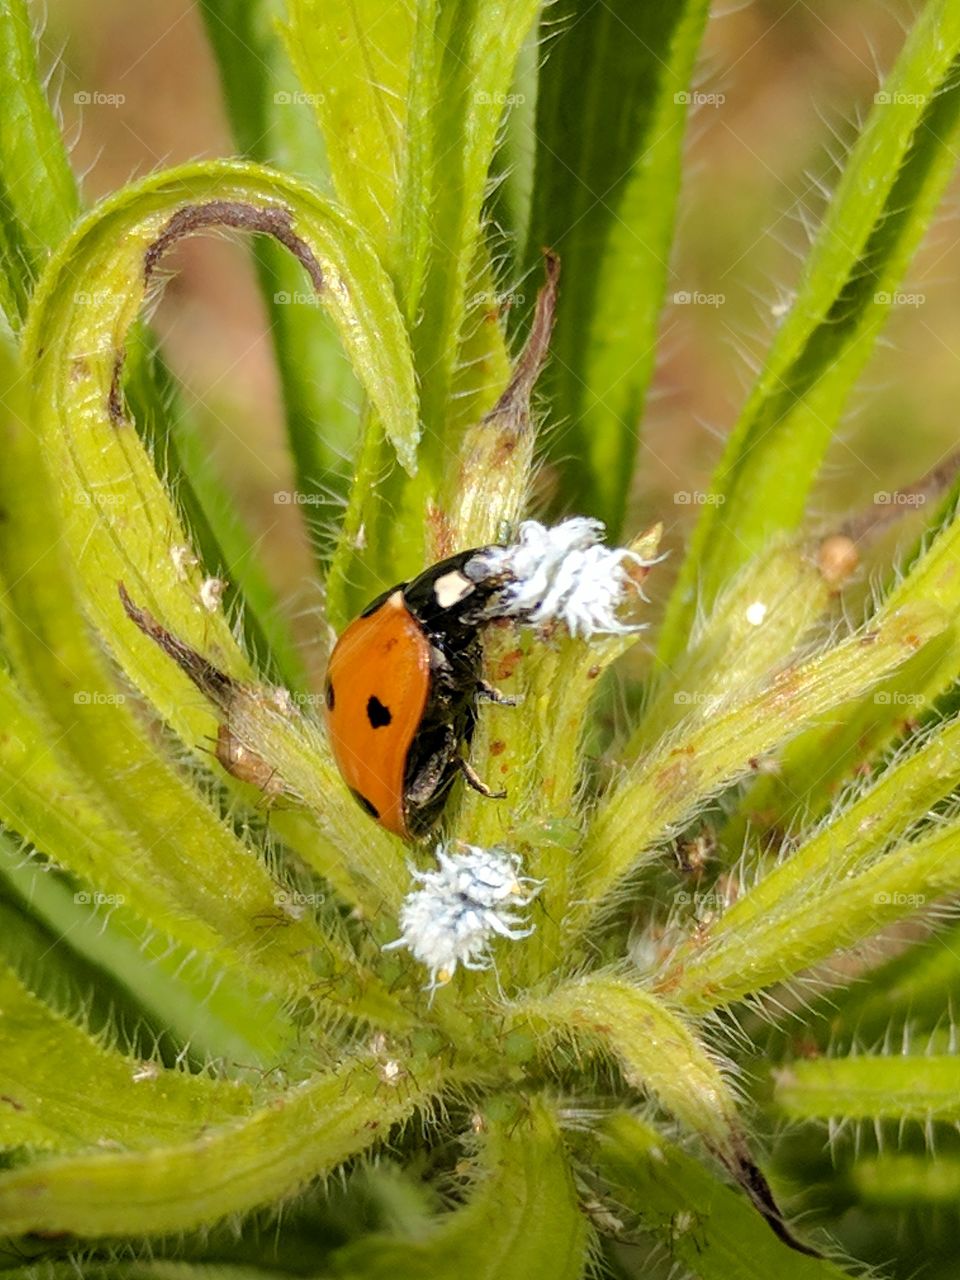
(702, 1223)
(892, 182)
(525, 1208)
(211, 1063)
(38, 198)
(606, 179)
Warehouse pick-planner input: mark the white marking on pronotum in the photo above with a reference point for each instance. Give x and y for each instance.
(452, 588)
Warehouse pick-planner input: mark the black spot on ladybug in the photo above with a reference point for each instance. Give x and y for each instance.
(330, 697)
(377, 713)
(365, 804)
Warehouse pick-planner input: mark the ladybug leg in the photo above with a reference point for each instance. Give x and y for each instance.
(473, 779)
(425, 784)
(491, 694)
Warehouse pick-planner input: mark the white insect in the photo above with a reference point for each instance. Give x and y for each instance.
(459, 908)
(561, 574)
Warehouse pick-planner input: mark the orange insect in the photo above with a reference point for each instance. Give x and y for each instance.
(401, 696)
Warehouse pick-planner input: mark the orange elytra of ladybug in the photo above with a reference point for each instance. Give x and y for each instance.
(378, 682)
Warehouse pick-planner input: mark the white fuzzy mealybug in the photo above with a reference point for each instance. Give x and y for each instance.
(453, 916)
(561, 574)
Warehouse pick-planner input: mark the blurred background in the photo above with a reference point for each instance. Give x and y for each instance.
(781, 87)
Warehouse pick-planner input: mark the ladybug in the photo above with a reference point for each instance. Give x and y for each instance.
(401, 696)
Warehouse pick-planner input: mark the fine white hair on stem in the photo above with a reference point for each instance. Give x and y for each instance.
(562, 574)
(460, 908)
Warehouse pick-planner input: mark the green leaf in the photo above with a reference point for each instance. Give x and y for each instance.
(208, 895)
(271, 121)
(910, 987)
(896, 173)
(111, 500)
(477, 46)
(274, 123)
(448, 68)
(662, 791)
(898, 1181)
(841, 848)
(814, 916)
(129, 777)
(706, 1226)
(521, 1217)
(902, 1087)
(827, 753)
(605, 194)
(270, 1153)
(35, 215)
(62, 1091)
(38, 195)
(128, 975)
(354, 61)
(657, 1051)
(760, 617)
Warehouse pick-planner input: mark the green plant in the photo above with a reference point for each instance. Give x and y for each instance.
(198, 1019)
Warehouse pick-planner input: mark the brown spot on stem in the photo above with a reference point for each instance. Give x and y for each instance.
(210, 680)
(508, 664)
(115, 407)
